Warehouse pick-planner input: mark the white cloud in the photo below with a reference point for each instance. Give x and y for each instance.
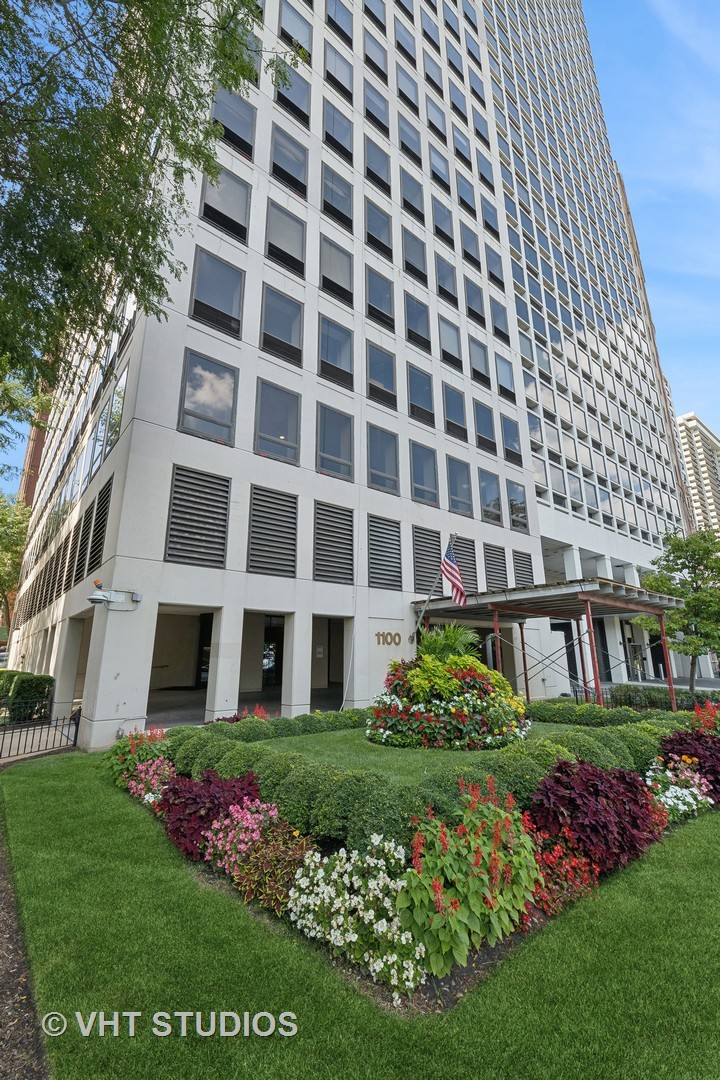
(690, 27)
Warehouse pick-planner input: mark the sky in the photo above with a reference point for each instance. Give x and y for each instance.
(658, 67)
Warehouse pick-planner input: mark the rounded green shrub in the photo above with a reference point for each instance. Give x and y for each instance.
(544, 753)
(251, 730)
(242, 758)
(590, 715)
(187, 752)
(281, 727)
(389, 811)
(303, 789)
(518, 775)
(315, 724)
(273, 768)
(616, 746)
(177, 736)
(584, 747)
(210, 755)
(642, 746)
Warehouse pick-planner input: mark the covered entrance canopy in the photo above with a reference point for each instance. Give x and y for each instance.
(568, 600)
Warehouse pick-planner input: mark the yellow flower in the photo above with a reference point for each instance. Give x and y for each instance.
(296, 832)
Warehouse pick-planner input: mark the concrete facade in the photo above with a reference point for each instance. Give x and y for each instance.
(276, 468)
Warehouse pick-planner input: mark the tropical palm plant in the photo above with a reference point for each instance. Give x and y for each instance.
(449, 640)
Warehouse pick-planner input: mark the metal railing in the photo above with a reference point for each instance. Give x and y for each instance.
(26, 728)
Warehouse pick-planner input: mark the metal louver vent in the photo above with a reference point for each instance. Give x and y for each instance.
(384, 554)
(102, 510)
(523, 568)
(70, 569)
(333, 556)
(426, 561)
(272, 543)
(60, 576)
(495, 567)
(464, 549)
(83, 545)
(198, 521)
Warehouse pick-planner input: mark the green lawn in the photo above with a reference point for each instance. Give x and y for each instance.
(622, 987)
(351, 750)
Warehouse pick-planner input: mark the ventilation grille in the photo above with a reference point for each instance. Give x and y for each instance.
(464, 549)
(197, 526)
(495, 567)
(83, 545)
(523, 568)
(384, 554)
(70, 570)
(333, 552)
(60, 575)
(272, 543)
(426, 561)
(102, 510)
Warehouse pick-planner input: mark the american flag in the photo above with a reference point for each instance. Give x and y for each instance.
(450, 570)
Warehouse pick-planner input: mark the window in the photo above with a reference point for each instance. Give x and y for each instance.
(338, 71)
(409, 137)
(493, 262)
(443, 221)
(336, 270)
(337, 197)
(446, 279)
(376, 56)
(381, 375)
(450, 343)
(380, 303)
(474, 301)
(277, 422)
(439, 168)
(376, 108)
(470, 244)
(454, 408)
(289, 161)
(499, 320)
(407, 88)
(383, 459)
(336, 352)
(461, 145)
(295, 97)
(294, 29)
(412, 195)
(511, 439)
(378, 229)
(114, 416)
(485, 170)
(480, 124)
(423, 474)
(436, 118)
(285, 239)
(338, 131)
(505, 377)
(417, 322)
(459, 490)
(227, 204)
(282, 319)
(414, 258)
(207, 402)
(479, 365)
(237, 117)
(433, 72)
(457, 101)
(339, 17)
(430, 30)
(466, 194)
(405, 41)
(517, 505)
(484, 428)
(375, 9)
(334, 442)
(420, 395)
(217, 293)
(490, 217)
(377, 165)
(490, 506)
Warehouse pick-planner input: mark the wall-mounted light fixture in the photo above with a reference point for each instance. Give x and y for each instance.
(114, 599)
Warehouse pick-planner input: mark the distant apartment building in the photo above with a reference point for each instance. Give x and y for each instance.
(701, 454)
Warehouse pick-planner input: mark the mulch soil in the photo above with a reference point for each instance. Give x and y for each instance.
(22, 1056)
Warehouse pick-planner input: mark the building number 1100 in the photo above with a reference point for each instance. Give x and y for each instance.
(384, 637)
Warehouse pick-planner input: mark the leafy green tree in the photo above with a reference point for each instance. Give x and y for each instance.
(19, 407)
(105, 115)
(689, 567)
(14, 518)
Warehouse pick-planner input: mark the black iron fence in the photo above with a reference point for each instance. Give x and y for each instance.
(643, 698)
(30, 730)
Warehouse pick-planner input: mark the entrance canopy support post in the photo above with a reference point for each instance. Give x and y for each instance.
(583, 667)
(498, 643)
(666, 656)
(524, 660)
(593, 651)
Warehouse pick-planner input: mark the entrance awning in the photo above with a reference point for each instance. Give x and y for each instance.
(566, 601)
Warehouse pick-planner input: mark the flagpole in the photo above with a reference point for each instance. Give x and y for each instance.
(432, 590)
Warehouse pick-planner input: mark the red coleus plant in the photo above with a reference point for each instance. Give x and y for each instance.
(699, 744)
(189, 807)
(609, 815)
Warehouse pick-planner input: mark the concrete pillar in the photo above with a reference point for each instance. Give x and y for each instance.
(118, 674)
(613, 630)
(225, 655)
(297, 663)
(573, 564)
(64, 665)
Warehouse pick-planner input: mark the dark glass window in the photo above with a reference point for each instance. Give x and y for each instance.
(285, 239)
(383, 459)
(417, 322)
(226, 204)
(484, 427)
(490, 505)
(289, 161)
(282, 325)
(277, 422)
(420, 395)
(237, 117)
(209, 393)
(337, 197)
(381, 375)
(334, 442)
(217, 293)
(459, 489)
(454, 407)
(380, 303)
(423, 474)
(336, 352)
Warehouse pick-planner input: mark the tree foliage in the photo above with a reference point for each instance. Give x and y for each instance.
(105, 114)
(689, 567)
(452, 639)
(14, 518)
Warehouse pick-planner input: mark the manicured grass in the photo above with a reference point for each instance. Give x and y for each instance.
(351, 750)
(622, 986)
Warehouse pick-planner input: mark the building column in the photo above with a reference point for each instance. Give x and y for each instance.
(223, 685)
(297, 663)
(613, 629)
(64, 665)
(117, 681)
(572, 564)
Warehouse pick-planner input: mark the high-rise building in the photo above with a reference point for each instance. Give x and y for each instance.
(414, 309)
(701, 451)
